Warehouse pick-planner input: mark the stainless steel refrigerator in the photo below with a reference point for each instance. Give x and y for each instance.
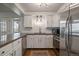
(69, 33)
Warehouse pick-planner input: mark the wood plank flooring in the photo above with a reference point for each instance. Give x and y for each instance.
(39, 52)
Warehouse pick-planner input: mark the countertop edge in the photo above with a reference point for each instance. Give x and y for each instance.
(11, 41)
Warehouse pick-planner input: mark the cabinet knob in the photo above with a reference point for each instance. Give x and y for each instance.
(3, 52)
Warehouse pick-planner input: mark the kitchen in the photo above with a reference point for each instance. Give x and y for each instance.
(38, 29)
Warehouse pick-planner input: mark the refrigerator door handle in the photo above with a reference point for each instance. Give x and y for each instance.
(65, 29)
(70, 32)
(67, 35)
(68, 39)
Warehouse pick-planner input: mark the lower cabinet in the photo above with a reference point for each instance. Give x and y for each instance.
(12, 49)
(17, 52)
(17, 47)
(39, 41)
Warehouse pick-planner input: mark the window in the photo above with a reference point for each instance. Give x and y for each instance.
(3, 30)
(16, 35)
(16, 32)
(3, 37)
(3, 26)
(15, 25)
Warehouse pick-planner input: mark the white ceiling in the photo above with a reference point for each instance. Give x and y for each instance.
(34, 7)
(3, 8)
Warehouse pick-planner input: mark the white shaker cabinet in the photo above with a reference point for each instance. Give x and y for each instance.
(29, 41)
(50, 41)
(28, 21)
(39, 41)
(53, 21)
(49, 21)
(56, 20)
(17, 47)
(17, 52)
(42, 41)
(35, 41)
(32, 41)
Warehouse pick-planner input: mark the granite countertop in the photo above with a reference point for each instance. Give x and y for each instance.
(10, 38)
(39, 34)
(15, 36)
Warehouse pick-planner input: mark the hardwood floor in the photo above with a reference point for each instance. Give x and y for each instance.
(39, 52)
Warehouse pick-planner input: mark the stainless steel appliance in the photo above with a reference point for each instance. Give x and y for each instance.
(69, 33)
(56, 42)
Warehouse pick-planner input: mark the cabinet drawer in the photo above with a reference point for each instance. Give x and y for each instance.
(5, 49)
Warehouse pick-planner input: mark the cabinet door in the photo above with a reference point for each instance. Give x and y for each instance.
(18, 52)
(56, 20)
(49, 21)
(39, 43)
(29, 41)
(50, 41)
(53, 21)
(34, 41)
(46, 41)
(27, 21)
(42, 41)
(17, 47)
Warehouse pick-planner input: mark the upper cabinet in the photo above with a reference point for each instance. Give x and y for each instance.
(28, 21)
(56, 20)
(40, 23)
(53, 21)
(49, 21)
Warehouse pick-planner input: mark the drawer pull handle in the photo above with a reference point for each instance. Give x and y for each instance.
(3, 52)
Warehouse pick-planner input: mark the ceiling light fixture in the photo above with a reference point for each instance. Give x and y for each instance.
(43, 4)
